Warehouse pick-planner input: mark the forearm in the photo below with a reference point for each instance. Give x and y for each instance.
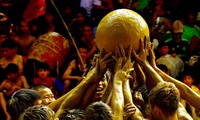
(153, 78)
(75, 95)
(128, 99)
(117, 104)
(89, 96)
(182, 114)
(117, 100)
(71, 78)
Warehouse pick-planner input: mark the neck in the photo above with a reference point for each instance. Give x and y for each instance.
(173, 117)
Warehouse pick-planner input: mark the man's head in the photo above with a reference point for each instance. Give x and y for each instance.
(46, 94)
(72, 114)
(177, 29)
(98, 111)
(102, 86)
(12, 71)
(38, 112)
(5, 27)
(9, 48)
(21, 100)
(43, 70)
(164, 100)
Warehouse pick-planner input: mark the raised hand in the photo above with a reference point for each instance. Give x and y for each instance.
(141, 58)
(129, 110)
(152, 57)
(144, 48)
(104, 61)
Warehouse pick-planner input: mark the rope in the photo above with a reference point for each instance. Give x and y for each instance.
(69, 34)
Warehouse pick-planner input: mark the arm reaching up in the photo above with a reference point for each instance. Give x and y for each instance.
(74, 97)
(186, 92)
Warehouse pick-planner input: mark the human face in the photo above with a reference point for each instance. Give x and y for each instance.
(12, 76)
(3, 37)
(43, 73)
(24, 28)
(8, 53)
(177, 37)
(101, 88)
(188, 80)
(37, 102)
(164, 50)
(46, 95)
(83, 52)
(80, 18)
(87, 32)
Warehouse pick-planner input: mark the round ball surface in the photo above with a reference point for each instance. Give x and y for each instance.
(121, 26)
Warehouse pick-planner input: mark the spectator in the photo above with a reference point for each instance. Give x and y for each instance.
(13, 82)
(9, 55)
(75, 69)
(44, 77)
(188, 79)
(173, 62)
(176, 45)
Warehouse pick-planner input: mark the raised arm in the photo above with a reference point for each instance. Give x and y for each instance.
(186, 92)
(122, 70)
(73, 98)
(154, 78)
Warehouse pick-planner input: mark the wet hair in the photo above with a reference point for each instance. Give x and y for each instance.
(9, 43)
(11, 68)
(20, 101)
(165, 96)
(38, 86)
(38, 112)
(72, 114)
(98, 111)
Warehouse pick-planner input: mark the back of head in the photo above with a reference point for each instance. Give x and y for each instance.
(165, 96)
(72, 114)
(98, 111)
(20, 101)
(38, 86)
(38, 112)
(177, 27)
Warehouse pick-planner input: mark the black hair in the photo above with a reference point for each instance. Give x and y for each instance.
(72, 114)
(20, 101)
(11, 68)
(38, 86)
(98, 111)
(8, 43)
(43, 65)
(42, 25)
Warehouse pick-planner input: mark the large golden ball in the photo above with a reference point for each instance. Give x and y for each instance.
(121, 26)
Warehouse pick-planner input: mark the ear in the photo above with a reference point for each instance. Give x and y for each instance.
(157, 110)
